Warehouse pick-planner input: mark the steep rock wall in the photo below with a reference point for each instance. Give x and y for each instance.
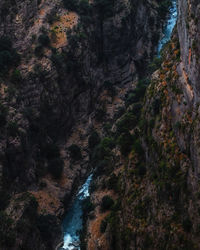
(62, 95)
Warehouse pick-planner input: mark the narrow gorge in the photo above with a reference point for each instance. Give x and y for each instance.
(99, 124)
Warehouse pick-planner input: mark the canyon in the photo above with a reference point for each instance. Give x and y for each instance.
(83, 91)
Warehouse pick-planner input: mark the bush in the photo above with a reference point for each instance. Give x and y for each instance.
(104, 8)
(110, 88)
(75, 152)
(140, 170)
(44, 40)
(127, 122)
(138, 93)
(138, 148)
(187, 225)
(3, 115)
(156, 64)
(84, 7)
(164, 8)
(106, 203)
(55, 167)
(4, 199)
(52, 17)
(51, 150)
(136, 109)
(7, 234)
(100, 114)
(8, 55)
(93, 140)
(101, 167)
(13, 129)
(16, 77)
(125, 142)
(87, 206)
(71, 5)
(113, 183)
(5, 43)
(156, 106)
(39, 51)
(101, 153)
(47, 225)
(108, 143)
(103, 226)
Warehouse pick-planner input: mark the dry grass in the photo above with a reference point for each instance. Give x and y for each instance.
(59, 28)
(47, 203)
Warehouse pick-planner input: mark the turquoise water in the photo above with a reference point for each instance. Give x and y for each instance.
(171, 21)
(72, 223)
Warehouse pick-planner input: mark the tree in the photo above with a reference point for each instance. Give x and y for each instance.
(55, 167)
(71, 4)
(75, 152)
(106, 203)
(44, 40)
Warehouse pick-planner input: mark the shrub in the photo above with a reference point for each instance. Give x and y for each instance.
(52, 17)
(136, 109)
(44, 40)
(187, 225)
(127, 122)
(103, 226)
(55, 167)
(108, 143)
(113, 183)
(71, 5)
(51, 150)
(16, 76)
(3, 115)
(125, 142)
(138, 147)
(141, 170)
(138, 93)
(93, 140)
(156, 106)
(156, 64)
(7, 234)
(12, 128)
(164, 8)
(84, 7)
(8, 55)
(31, 210)
(75, 152)
(110, 88)
(104, 8)
(106, 203)
(47, 225)
(87, 205)
(101, 167)
(101, 153)
(5, 59)
(39, 51)
(4, 199)
(5, 43)
(100, 114)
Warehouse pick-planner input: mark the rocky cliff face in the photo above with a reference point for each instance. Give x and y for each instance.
(148, 194)
(64, 75)
(76, 100)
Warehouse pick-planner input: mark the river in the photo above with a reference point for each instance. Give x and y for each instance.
(72, 223)
(171, 21)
